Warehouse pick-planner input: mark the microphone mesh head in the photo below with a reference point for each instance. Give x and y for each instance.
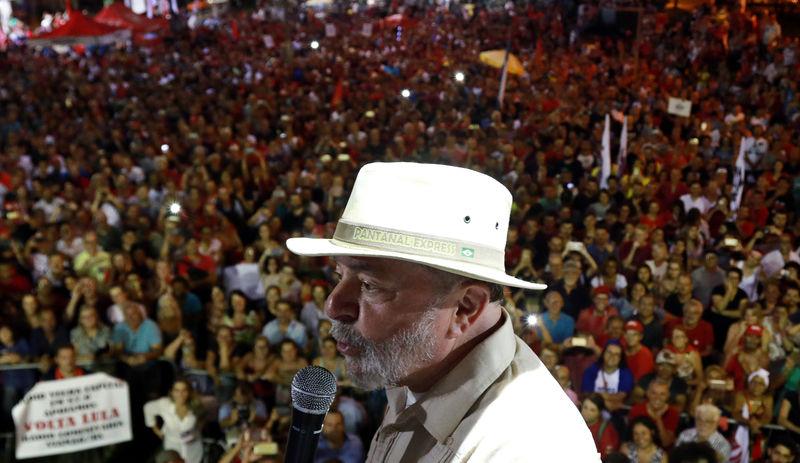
(313, 390)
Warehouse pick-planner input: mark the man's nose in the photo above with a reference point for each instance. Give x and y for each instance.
(342, 303)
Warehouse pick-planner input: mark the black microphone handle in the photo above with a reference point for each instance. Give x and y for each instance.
(303, 437)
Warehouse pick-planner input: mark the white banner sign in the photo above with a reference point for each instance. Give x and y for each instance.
(244, 277)
(366, 29)
(679, 107)
(330, 30)
(69, 415)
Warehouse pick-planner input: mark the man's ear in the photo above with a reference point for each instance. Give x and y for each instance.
(473, 297)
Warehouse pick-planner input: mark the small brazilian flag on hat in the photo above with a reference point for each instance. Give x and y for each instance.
(467, 252)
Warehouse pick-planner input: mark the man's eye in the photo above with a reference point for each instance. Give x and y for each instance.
(367, 286)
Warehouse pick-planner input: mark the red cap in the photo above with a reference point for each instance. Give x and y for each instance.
(602, 289)
(634, 325)
(754, 329)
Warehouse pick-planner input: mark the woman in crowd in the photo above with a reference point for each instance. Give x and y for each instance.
(609, 377)
(216, 310)
(183, 352)
(695, 246)
(254, 365)
(180, 413)
(221, 360)
(314, 310)
(644, 445)
(644, 275)
(605, 436)
(610, 277)
(629, 306)
(91, 337)
(332, 361)
(168, 317)
(669, 284)
(751, 274)
(687, 359)
(753, 406)
(282, 371)
(30, 308)
(266, 244)
(269, 266)
(244, 324)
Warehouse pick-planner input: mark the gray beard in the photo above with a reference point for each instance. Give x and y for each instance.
(386, 363)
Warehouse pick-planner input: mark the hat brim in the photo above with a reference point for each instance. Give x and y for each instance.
(329, 247)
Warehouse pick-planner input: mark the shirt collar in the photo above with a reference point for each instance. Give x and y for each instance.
(444, 406)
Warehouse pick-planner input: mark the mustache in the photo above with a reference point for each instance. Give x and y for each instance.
(347, 334)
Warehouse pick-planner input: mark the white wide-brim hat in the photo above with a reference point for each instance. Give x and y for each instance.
(445, 217)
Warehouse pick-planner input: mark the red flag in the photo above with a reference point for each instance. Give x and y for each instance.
(235, 29)
(338, 93)
(68, 6)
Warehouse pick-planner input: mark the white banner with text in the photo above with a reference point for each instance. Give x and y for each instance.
(68, 415)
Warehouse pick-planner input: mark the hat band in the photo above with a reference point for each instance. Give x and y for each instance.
(418, 244)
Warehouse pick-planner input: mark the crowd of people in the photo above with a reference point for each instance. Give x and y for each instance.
(147, 194)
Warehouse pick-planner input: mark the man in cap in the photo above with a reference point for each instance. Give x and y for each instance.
(639, 357)
(594, 319)
(750, 356)
(419, 258)
(665, 372)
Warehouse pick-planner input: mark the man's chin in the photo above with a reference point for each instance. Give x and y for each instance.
(361, 380)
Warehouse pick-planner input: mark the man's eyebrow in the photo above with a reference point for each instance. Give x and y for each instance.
(357, 265)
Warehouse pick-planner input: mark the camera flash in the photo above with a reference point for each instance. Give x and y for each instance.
(405, 93)
(174, 208)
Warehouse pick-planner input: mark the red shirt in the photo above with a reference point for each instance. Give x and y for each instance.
(78, 372)
(700, 336)
(608, 442)
(594, 323)
(734, 368)
(205, 263)
(640, 363)
(669, 419)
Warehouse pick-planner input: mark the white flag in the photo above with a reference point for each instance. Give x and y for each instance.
(605, 166)
(622, 156)
(739, 176)
(503, 81)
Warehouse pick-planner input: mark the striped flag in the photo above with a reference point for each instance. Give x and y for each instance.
(739, 174)
(503, 79)
(622, 156)
(605, 166)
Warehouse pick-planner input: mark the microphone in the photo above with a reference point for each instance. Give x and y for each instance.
(313, 391)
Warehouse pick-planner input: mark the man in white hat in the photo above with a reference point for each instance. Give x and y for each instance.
(419, 256)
